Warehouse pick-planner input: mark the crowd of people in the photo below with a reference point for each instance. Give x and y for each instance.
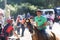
(9, 28)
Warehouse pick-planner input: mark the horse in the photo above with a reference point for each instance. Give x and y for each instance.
(56, 30)
(36, 35)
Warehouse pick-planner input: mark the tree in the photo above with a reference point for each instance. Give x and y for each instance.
(2, 5)
(24, 6)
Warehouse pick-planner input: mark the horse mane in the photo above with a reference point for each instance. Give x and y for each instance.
(54, 37)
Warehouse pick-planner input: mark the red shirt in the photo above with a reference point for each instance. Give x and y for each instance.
(9, 29)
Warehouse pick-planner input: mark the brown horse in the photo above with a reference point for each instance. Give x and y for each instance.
(37, 35)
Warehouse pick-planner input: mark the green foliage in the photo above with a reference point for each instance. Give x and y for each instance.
(2, 5)
(21, 9)
(23, 6)
(1, 0)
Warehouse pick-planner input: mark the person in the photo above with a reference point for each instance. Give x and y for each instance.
(0, 27)
(48, 16)
(18, 22)
(8, 29)
(41, 22)
(51, 20)
(22, 26)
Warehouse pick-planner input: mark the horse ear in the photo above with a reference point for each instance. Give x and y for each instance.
(45, 23)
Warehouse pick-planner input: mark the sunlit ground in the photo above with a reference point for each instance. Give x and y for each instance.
(27, 35)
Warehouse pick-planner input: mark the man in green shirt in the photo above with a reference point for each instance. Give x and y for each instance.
(41, 22)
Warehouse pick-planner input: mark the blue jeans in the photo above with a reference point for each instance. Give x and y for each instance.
(44, 34)
(18, 30)
(23, 29)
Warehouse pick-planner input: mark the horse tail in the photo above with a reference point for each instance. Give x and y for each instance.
(54, 37)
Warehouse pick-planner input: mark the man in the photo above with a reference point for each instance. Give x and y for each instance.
(8, 29)
(22, 26)
(18, 21)
(40, 22)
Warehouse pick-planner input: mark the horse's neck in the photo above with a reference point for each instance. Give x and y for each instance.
(35, 31)
(38, 34)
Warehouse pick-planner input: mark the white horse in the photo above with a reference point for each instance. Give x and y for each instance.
(55, 30)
